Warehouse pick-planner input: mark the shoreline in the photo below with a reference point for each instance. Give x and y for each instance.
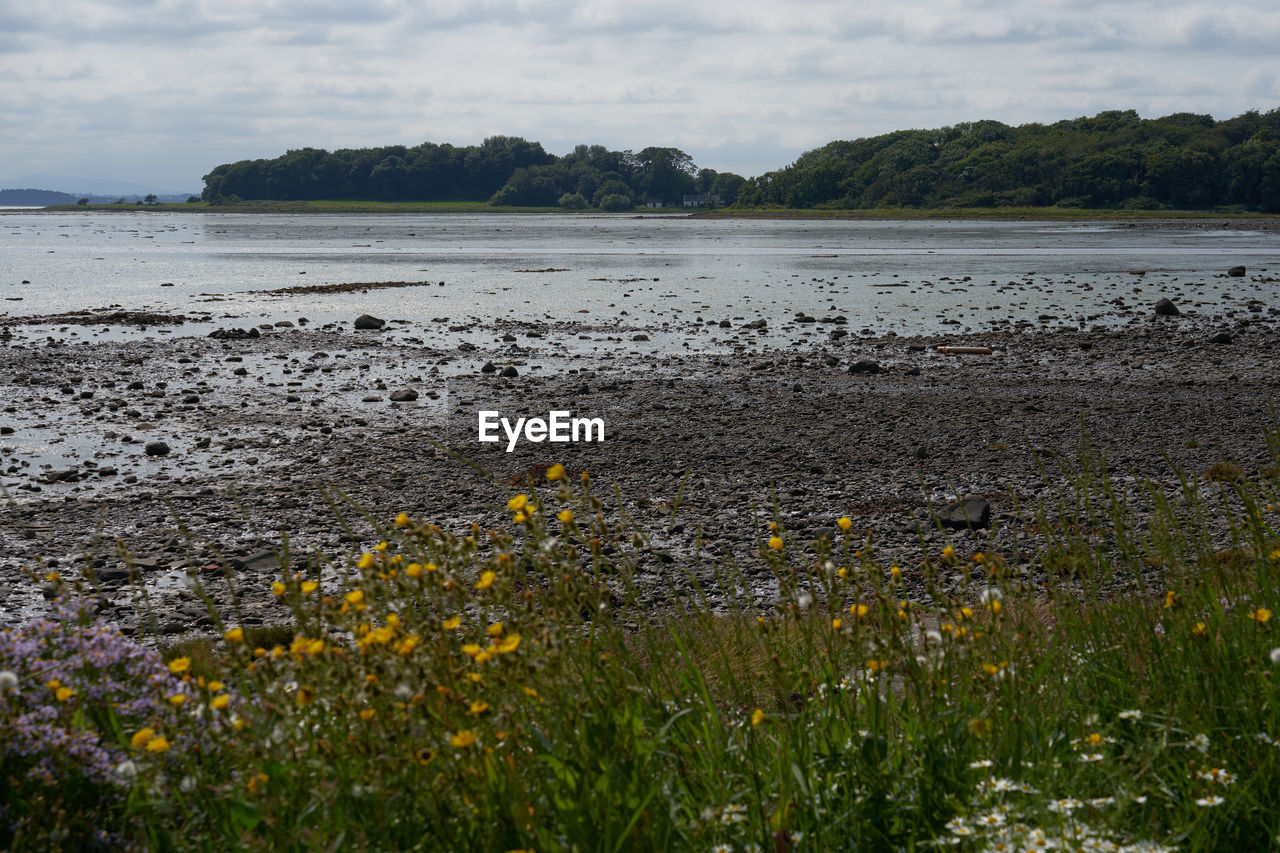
(693, 442)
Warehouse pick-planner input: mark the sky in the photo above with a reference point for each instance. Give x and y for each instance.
(158, 92)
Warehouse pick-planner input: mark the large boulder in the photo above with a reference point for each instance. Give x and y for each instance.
(368, 321)
(1166, 308)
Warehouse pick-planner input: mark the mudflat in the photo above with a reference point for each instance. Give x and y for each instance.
(197, 455)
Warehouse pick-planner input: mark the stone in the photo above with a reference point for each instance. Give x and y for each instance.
(864, 366)
(1236, 272)
(489, 367)
(404, 395)
(1166, 308)
(369, 322)
(1221, 338)
(509, 372)
(156, 448)
(972, 511)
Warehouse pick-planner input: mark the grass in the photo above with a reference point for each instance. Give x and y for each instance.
(503, 689)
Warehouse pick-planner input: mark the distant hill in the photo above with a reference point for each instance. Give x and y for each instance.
(81, 187)
(1114, 160)
(41, 198)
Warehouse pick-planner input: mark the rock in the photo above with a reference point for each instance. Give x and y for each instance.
(234, 334)
(757, 324)
(135, 385)
(368, 321)
(640, 337)
(973, 511)
(371, 398)
(1166, 308)
(508, 338)
(509, 372)
(489, 367)
(1221, 338)
(404, 395)
(156, 448)
(6, 430)
(1236, 272)
(864, 366)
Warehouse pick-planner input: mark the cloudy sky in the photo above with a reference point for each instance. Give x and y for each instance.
(159, 91)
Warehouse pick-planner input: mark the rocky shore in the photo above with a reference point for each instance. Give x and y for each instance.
(198, 454)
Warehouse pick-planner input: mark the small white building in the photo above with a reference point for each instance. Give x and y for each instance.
(701, 200)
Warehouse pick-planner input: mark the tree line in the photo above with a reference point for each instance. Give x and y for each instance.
(503, 170)
(1113, 160)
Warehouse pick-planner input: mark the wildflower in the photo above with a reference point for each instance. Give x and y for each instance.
(157, 744)
(1261, 615)
(177, 699)
(486, 580)
(235, 635)
(8, 681)
(844, 524)
(555, 472)
(978, 765)
(494, 630)
(837, 624)
(356, 596)
(368, 714)
(1210, 801)
(471, 649)
(508, 645)
(402, 520)
(408, 644)
(1169, 597)
(462, 739)
(217, 703)
(305, 696)
(775, 542)
(722, 848)
(1201, 742)
(179, 665)
(309, 587)
(451, 623)
(1218, 776)
(366, 561)
(948, 553)
(1275, 655)
(141, 738)
(127, 770)
(979, 727)
(565, 516)
(479, 707)
(277, 589)
(64, 694)
(518, 503)
(804, 600)
(1199, 629)
(990, 669)
(1090, 757)
(859, 609)
(757, 717)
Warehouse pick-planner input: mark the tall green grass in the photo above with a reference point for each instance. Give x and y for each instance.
(504, 689)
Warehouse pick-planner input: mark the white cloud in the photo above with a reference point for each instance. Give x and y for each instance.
(159, 91)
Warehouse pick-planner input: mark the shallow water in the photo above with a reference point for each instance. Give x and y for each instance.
(642, 270)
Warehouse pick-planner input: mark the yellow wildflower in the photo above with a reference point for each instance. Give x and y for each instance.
(990, 668)
(471, 649)
(479, 707)
(775, 542)
(948, 553)
(837, 624)
(451, 623)
(463, 739)
(509, 644)
(413, 570)
(565, 516)
(366, 561)
(859, 609)
(355, 596)
(177, 699)
(555, 472)
(845, 524)
(368, 714)
(1200, 628)
(305, 696)
(277, 588)
(402, 520)
(486, 580)
(1169, 598)
(1261, 615)
(494, 630)
(235, 635)
(179, 665)
(518, 503)
(309, 587)
(157, 744)
(219, 702)
(63, 694)
(141, 738)
(757, 717)
(408, 644)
